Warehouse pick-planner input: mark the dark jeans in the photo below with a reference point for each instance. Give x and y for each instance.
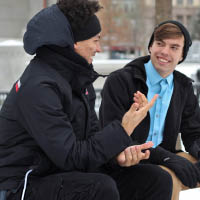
(143, 182)
(70, 186)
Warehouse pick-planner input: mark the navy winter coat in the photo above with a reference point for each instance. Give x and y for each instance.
(48, 122)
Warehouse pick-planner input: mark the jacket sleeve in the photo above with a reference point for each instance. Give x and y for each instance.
(41, 113)
(190, 123)
(116, 99)
(94, 122)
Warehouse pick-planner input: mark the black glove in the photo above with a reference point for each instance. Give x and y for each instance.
(188, 173)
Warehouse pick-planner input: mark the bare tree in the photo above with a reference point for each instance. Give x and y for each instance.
(116, 25)
(163, 10)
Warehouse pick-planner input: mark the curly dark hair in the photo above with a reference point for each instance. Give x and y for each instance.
(78, 11)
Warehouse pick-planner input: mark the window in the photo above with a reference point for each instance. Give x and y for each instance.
(180, 18)
(179, 2)
(190, 2)
(189, 19)
(126, 8)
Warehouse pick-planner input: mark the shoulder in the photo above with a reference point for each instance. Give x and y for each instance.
(181, 79)
(43, 86)
(132, 70)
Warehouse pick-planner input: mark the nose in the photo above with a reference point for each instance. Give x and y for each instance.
(98, 48)
(165, 50)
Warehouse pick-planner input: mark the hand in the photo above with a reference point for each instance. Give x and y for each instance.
(140, 99)
(137, 112)
(133, 155)
(187, 172)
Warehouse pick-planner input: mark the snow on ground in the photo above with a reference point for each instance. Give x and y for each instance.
(192, 194)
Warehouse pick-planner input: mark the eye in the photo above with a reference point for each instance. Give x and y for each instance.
(174, 48)
(159, 43)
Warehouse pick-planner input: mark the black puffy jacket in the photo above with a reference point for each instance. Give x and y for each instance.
(48, 122)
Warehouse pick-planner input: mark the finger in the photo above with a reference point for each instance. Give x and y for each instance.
(137, 97)
(146, 145)
(121, 158)
(153, 100)
(151, 103)
(140, 98)
(134, 107)
(143, 97)
(137, 100)
(139, 152)
(147, 154)
(135, 155)
(128, 156)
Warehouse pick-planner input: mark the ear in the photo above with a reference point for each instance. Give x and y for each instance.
(150, 49)
(181, 58)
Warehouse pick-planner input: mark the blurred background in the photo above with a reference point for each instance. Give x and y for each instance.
(126, 28)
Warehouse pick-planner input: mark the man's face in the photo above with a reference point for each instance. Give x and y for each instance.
(88, 48)
(166, 54)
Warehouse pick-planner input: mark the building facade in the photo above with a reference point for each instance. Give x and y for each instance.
(127, 24)
(140, 15)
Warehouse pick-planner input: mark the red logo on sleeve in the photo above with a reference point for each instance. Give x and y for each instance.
(17, 85)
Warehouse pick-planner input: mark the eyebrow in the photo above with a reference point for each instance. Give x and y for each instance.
(176, 45)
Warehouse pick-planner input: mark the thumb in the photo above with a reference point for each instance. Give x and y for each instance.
(151, 103)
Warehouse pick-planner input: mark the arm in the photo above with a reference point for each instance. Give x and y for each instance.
(190, 124)
(94, 122)
(42, 115)
(116, 99)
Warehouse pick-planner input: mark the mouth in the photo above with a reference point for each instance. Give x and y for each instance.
(163, 60)
(92, 57)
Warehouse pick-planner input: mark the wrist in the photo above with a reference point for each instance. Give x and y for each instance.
(127, 129)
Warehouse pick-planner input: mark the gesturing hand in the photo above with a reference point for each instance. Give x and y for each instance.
(137, 112)
(133, 155)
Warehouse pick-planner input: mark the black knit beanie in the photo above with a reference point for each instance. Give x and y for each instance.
(188, 41)
(91, 28)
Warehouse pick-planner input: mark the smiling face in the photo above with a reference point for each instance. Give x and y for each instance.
(166, 54)
(167, 48)
(88, 48)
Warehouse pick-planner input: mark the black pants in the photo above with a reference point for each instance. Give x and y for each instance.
(143, 182)
(140, 182)
(70, 186)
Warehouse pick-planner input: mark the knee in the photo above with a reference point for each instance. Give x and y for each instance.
(107, 187)
(164, 180)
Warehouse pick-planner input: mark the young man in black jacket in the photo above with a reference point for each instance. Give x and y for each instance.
(175, 111)
(50, 143)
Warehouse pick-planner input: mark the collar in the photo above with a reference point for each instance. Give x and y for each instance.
(69, 65)
(137, 69)
(154, 77)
